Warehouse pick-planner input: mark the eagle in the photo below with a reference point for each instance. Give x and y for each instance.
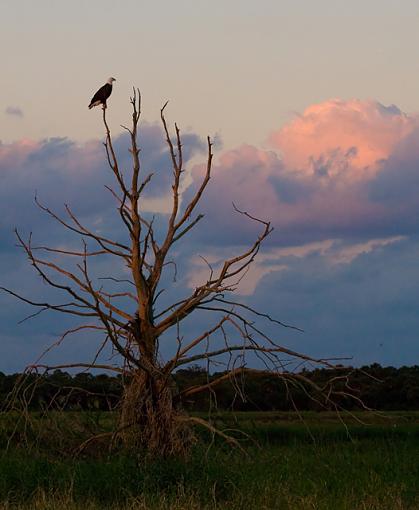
(102, 94)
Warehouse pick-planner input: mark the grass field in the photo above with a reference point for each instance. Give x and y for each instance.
(290, 464)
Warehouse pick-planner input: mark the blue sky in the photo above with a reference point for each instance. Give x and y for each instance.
(314, 109)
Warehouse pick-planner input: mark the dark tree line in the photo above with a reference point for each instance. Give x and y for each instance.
(383, 388)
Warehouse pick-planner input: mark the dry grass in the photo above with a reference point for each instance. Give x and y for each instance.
(268, 500)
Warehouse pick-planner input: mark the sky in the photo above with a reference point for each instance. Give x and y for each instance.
(314, 108)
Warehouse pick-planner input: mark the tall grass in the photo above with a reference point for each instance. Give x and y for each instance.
(288, 470)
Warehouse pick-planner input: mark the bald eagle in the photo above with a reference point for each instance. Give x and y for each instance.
(102, 94)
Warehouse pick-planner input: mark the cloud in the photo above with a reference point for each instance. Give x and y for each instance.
(342, 201)
(57, 170)
(14, 111)
(343, 169)
(342, 138)
(60, 171)
(273, 259)
(365, 308)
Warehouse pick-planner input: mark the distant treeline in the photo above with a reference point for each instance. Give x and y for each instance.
(383, 388)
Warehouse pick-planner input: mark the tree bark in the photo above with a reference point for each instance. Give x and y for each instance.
(149, 421)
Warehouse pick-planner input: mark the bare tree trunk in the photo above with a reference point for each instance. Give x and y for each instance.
(149, 422)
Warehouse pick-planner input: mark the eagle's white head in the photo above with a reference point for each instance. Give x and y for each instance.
(111, 80)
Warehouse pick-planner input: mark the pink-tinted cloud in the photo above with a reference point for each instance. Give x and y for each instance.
(351, 137)
(331, 176)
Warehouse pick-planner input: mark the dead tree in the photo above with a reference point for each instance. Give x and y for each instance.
(151, 417)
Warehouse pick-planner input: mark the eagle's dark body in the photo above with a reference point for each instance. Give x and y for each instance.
(102, 94)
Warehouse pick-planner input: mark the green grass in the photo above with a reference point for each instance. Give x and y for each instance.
(375, 466)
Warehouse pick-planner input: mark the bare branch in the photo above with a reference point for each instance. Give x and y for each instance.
(192, 204)
(226, 350)
(110, 153)
(181, 352)
(68, 252)
(229, 375)
(189, 227)
(81, 230)
(45, 305)
(259, 314)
